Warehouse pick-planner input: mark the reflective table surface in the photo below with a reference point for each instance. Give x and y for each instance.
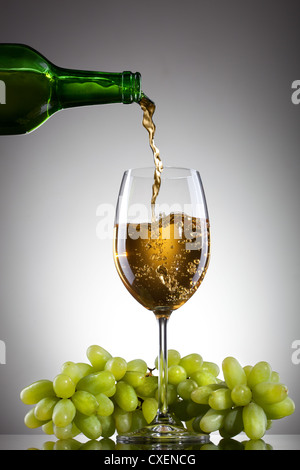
(240, 442)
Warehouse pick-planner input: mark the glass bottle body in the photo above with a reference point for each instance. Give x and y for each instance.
(32, 88)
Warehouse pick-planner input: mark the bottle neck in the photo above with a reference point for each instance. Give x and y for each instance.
(83, 88)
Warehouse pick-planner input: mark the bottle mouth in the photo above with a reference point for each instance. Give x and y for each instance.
(131, 87)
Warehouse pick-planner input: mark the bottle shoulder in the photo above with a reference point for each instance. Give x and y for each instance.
(20, 56)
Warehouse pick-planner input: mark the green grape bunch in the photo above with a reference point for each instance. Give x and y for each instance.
(109, 395)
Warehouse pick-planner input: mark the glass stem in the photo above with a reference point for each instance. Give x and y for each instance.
(162, 368)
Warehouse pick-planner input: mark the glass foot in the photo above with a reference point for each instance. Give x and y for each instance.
(162, 433)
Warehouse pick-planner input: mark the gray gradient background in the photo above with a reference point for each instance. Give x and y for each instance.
(220, 73)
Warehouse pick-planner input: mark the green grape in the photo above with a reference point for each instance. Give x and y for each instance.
(180, 410)
(257, 444)
(196, 409)
(224, 433)
(48, 445)
(210, 367)
(107, 444)
(44, 408)
(220, 399)
(72, 370)
(134, 378)
(97, 382)
(185, 388)
(108, 425)
(138, 420)
(110, 391)
(93, 444)
(176, 374)
(63, 386)
(148, 387)
(233, 372)
(105, 405)
(209, 447)
(201, 394)
(126, 397)
(233, 422)
(196, 424)
(171, 394)
(189, 424)
(85, 402)
(48, 427)
(173, 358)
(117, 366)
(261, 372)
(255, 421)
(63, 432)
(84, 369)
(203, 377)
(247, 370)
(212, 420)
(123, 421)
(36, 391)
(97, 356)
(241, 395)
(63, 413)
(149, 409)
(90, 426)
(31, 421)
(137, 365)
(67, 444)
(275, 378)
(191, 363)
(66, 432)
(280, 410)
(267, 393)
(269, 447)
(229, 443)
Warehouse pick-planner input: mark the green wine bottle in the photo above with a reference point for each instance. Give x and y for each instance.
(32, 88)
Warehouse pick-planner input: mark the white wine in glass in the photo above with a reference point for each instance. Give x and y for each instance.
(162, 252)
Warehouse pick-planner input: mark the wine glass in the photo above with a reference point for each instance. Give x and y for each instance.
(161, 252)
